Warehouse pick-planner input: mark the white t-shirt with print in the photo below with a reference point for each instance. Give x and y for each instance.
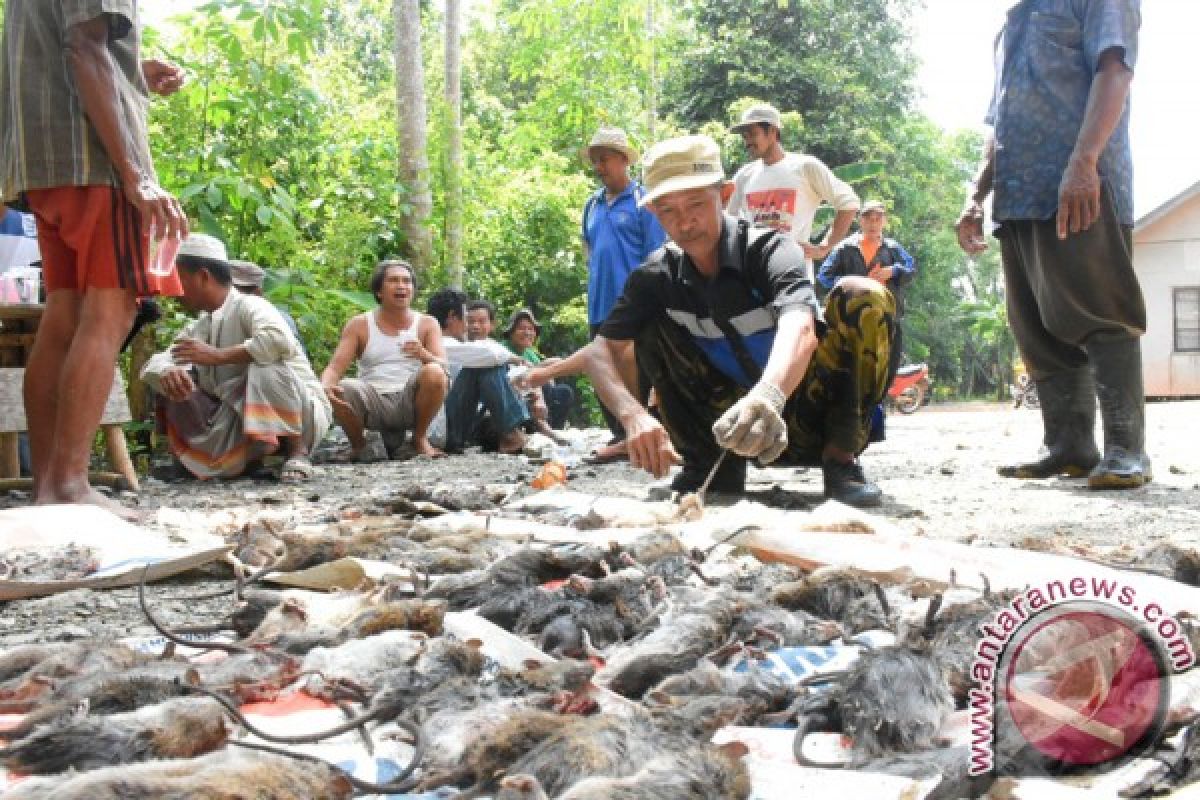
(786, 195)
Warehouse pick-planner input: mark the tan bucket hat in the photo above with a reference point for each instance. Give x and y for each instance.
(688, 162)
(613, 139)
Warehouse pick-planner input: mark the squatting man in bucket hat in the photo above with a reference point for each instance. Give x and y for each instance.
(741, 355)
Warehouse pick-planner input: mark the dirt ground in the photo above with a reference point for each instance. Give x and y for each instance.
(937, 469)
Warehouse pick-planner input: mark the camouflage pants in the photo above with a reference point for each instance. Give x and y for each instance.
(845, 380)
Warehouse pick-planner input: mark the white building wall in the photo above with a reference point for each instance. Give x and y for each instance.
(1167, 256)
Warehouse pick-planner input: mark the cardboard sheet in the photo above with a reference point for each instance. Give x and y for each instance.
(1005, 568)
(123, 549)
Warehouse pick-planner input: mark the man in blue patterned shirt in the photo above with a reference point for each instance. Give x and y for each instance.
(1060, 167)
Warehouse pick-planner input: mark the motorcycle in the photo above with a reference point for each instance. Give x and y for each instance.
(1024, 393)
(909, 388)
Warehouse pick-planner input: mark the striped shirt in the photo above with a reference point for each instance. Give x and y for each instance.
(761, 276)
(46, 141)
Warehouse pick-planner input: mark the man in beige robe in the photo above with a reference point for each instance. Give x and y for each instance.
(236, 382)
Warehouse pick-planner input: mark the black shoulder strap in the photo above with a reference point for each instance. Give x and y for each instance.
(740, 351)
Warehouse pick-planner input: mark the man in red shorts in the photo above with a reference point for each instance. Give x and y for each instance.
(73, 97)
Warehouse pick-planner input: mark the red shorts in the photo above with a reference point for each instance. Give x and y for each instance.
(91, 237)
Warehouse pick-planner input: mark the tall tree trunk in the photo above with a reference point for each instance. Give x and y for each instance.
(454, 155)
(652, 78)
(413, 167)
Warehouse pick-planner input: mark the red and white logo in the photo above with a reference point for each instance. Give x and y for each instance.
(1084, 685)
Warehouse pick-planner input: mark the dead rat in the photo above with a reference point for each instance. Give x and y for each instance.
(949, 764)
(305, 620)
(246, 678)
(711, 773)
(1179, 764)
(445, 561)
(224, 775)
(706, 679)
(772, 626)
(563, 675)
(177, 728)
(647, 548)
(953, 633)
(618, 746)
(17, 661)
(527, 567)
(761, 579)
(362, 663)
(486, 732)
(891, 700)
(491, 749)
(845, 595)
(25, 690)
(262, 544)
(683, 636)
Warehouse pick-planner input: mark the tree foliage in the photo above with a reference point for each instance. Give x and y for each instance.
(284, 143)
(845, 68)
(843, 76)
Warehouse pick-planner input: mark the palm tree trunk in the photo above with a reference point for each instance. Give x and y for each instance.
(413, 166)
(454, 155)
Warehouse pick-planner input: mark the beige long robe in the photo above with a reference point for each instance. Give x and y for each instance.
(245, 408)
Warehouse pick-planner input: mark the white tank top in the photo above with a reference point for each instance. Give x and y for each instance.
(383, 362)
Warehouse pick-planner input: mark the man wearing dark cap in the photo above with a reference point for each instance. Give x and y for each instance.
(237, 385)
(248, 278)
(741, 356)
(783, 190)
(871, 254)
(73, 146)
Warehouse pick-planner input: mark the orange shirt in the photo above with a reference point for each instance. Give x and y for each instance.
(868, 249)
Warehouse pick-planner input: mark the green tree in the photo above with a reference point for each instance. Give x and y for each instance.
(846, 68)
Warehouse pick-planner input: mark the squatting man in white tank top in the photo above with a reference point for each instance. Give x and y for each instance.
(402, 379)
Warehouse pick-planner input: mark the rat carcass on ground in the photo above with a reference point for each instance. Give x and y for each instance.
(557, 644)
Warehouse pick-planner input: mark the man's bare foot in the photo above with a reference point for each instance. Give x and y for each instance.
(511, 442)
(610, 453)
(91, 497)
(424, 448)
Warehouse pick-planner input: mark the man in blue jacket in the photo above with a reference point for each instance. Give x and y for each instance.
(872, 255)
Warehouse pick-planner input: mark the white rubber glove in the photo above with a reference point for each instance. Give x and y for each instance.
(753, 427)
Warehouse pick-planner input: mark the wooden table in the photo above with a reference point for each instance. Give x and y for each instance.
(18, 325)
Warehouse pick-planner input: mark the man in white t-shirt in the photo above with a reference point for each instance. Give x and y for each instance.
(783, 190)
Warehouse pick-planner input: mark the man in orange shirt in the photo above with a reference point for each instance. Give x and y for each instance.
(870, 254)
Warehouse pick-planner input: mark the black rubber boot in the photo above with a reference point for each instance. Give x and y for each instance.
(1118, 369)
(847, 483)
(1069, 420)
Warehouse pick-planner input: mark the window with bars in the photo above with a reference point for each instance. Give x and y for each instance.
(1187, 320)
